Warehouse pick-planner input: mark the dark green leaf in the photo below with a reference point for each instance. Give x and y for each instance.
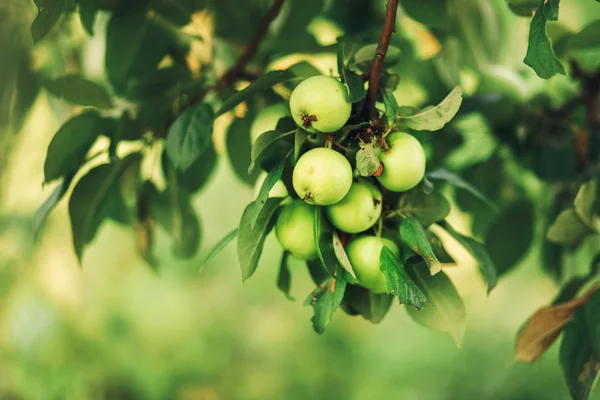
(46, 208)
(199, 174)
(284, 279)
(239, 149)
(270, 149)
(447, 312)
(69, 146)
(398, 282)
(190, 136)
(391, 107)
(341, 67)
(299, 139)
(592, 319)
(87, 14)
(263, 83)
(221, 244)
(356, 87)
(372, 306)
(579, 362)
(367, 161)
(540, 55)
(457, 181)
(341, 255)
(568, 229)
(585, 202)
(78, 90)
(251, 241)
(434, 118)
(316, 271)
(49, 12)
(271, 179)
(416, 239)
(427, 208)
(325, 299)
(478, 251)
(551, 10)
(510, 235)
(571, 288)
(324, 240)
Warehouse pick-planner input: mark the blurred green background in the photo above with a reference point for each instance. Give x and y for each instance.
(115, 329)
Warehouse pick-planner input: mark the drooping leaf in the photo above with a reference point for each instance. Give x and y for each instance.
(46, 208)
(540, 55)
(551, 10)
(198, 174)
(455, 180)
(356, 87)
(76, 89)
(271, 179)
(568, 229)
(371, 306)
(544, 327)
(221, 244)
(324, 239)
(427, 208)
(447, 312)
(87, 14)
(69, 146)
(239, 148)
(284, 278)
(299, 139)
(367, 161)
(391, 107)
(190, 136)
(325, 299)
(341, 255)
(478, 251)
(251, 241)
(434, 118)
(398, 283)
(416, 239)
(585, 201)
(270, 149)
(341, 61)
(49, 12)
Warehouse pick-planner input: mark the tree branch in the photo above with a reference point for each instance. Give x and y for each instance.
(388, 28)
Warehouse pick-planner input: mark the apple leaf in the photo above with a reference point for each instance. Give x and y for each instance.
(371, 306)
(434, 118)
(398, 282)
(585, 201)
(416, 239)
(356, 87)
(367, 162)
(427, 208)
(391, 107)
(270, 149)
(190, 135)
(271, 179)
(221, 244)
(540, 55)
(299, 139)
(78, 90)
(49, 12)
(341, 255)
(46, 208)
(323, 232)
(284, 278)
(568, 229)
(456, 181)
(325, 299)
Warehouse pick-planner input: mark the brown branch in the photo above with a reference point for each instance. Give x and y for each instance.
(388, 28)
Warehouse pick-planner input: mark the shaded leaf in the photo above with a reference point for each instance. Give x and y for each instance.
(271, 179)
(49, 12)
(540, 55)
(299, 139)
(239, 149)
(427, 208)
(455, 180)
(284, 278)
(325, 299)
(434, 118)
(217, 248)
(190, 135)
(47, 206)
(356, 87)
(324, 239)
(78, 90)
(391, 107)
(568, 229)
(416, 239)
(371, 306)
(398, 282)
(270, 149)
(87, 15)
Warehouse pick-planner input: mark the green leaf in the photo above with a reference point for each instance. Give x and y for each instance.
(239, 149)
(199, 174)
(325, 299)
(299, 139)
(284, 279)
(367, 161)
(510, 235)
(416, 239)
(540, 55)
(447, 312)
(478, 251)
(316, 271)
(356, 87)
(49, 12)
(78, 90)
(69, 146)
(221, 244)
(341, 61)
(457, 181)
(270, 149)
(568, 229)
(593, 320)
(340, 254)
(263, 83)
(190, 136)
(391, 107)
(434, 118)
(251, 241)
(46, 208)
(271, 179)
(398, 282)
(551, 10)
(579, 362)
(87, 15)
(585, 202)
(324, 239)
(572, 287)
(427, 208)
(96, 197)
(371, 306)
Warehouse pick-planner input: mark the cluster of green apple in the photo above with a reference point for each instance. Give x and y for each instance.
(325, 177)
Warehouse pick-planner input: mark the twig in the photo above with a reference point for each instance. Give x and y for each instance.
(384, 42)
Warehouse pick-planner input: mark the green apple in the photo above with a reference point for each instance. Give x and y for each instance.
(267, 118)
(364, 254)
(403, 163)
(322, 177)
(278, 190)
(295, 230)
(358, 210)
(506, 90)
(320, 104)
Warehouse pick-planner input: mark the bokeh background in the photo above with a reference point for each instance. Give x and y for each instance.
(114, 328)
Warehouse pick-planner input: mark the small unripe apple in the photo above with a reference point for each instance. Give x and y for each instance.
(278, 190)
(403, 163)
(322, 176)
(295, 230)
(358, 210)
(320, 104)
(364, 254)
(267, 119)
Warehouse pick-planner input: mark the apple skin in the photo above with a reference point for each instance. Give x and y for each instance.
(358, 210)
(322, 177)
(295, 230)
(267, 119)
(278, 190)
(364, 254)
(403, 163)
(324, 98)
